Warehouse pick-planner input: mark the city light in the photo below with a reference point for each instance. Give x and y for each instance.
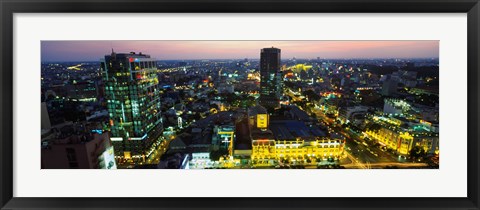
(130, 110)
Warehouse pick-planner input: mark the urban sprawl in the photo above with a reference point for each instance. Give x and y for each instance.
(130, 110)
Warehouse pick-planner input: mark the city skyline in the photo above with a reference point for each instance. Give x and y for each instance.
(64, 51)
(129, 111)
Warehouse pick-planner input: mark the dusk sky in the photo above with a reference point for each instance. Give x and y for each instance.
(170, 50)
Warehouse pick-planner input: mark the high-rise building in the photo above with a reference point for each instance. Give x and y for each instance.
(133, 100)
(271, 77)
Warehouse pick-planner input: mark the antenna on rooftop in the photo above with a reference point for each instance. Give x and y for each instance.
(111, 45)
(113, 52)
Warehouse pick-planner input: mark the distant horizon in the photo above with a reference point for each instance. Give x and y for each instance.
(200, 59)
(92, 51)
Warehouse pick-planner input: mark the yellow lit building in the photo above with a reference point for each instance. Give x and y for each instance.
(398, 141)
(403, 135)
(263, 149)
(279, 141)
(403, 141)
(298, 150)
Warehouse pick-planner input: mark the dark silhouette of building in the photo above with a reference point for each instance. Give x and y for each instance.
(67, 147)
(389, 87)
(271, 77)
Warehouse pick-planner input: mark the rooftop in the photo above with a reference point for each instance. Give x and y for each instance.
(292, 129)
(256, 110)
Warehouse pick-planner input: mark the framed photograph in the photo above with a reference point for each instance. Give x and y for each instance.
(239, 105)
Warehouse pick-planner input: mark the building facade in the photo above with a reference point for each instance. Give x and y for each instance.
(299, 151)
(270, 77)
(289, 141)
(69, 150)
(133, 102)
(403, 135)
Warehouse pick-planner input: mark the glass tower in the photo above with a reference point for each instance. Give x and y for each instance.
(133, 102)
(271, 77)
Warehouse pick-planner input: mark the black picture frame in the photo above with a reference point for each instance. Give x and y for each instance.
(10, 7)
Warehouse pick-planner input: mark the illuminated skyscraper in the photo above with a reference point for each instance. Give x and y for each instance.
(271, 77)
(133, 100)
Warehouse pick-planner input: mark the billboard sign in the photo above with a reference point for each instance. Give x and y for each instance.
(262, 121)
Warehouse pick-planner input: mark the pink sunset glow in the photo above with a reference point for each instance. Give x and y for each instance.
(169, 50)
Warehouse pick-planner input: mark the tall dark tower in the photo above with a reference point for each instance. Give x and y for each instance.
(133, 102)
(271, 77)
